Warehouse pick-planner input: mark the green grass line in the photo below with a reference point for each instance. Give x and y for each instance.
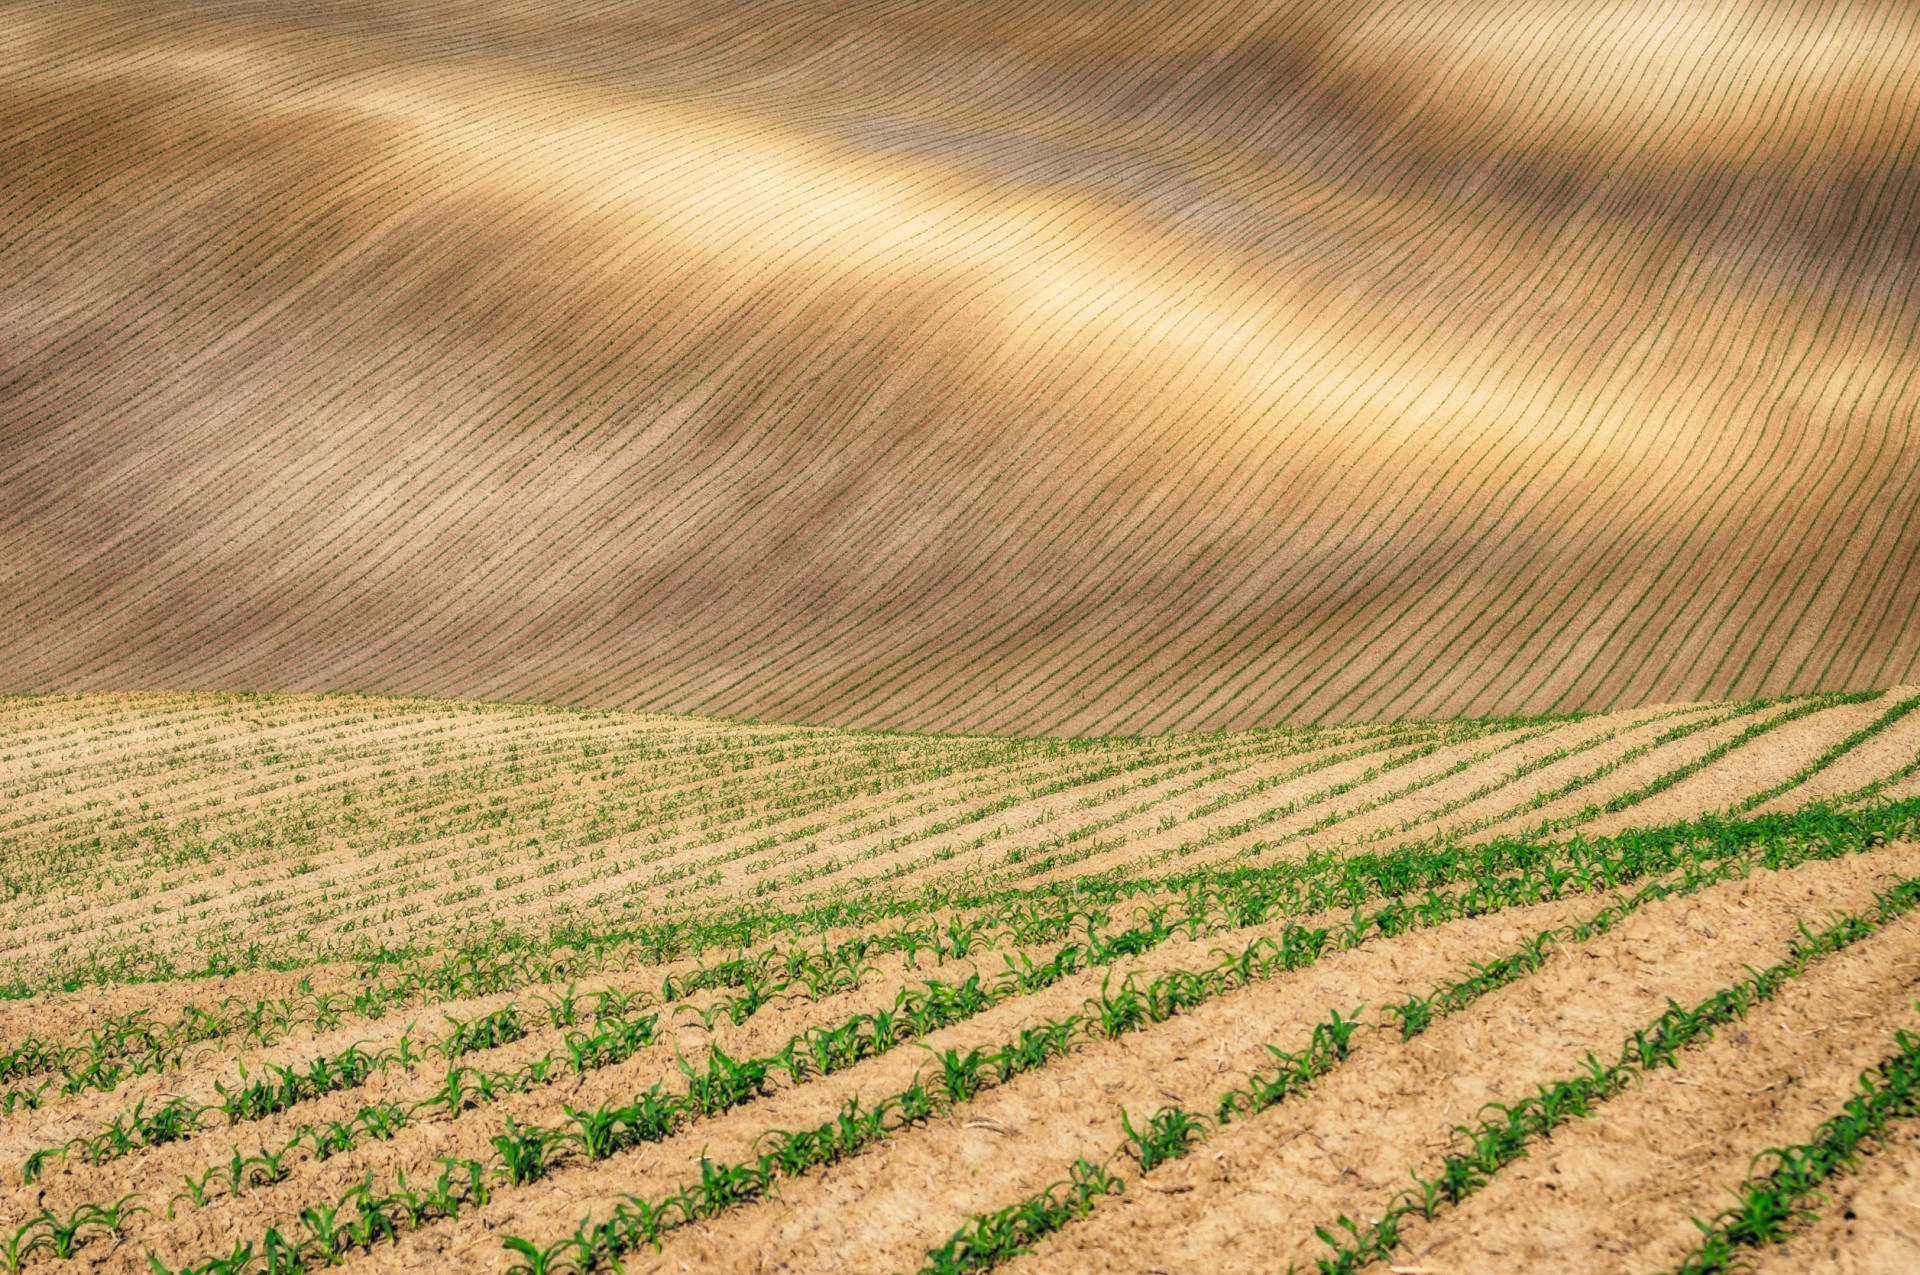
(1492, 1144)
(1830, 756)
(1770, 1206)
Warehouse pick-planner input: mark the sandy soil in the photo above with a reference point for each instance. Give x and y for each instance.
(1617, 1193)
(1253, 1199)
(1770, 759)
(1894, 747)
(1870, 1221)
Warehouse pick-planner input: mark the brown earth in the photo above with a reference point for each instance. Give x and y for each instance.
(1087, 367)
(1618, 1193)
(1253, 1198)
(1771, 759)
(1895, 747)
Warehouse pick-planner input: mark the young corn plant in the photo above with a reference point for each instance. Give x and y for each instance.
(28, 1238)
(1488, 1145)
(1768, 1207)
(963, 1075)
(525, 1152)
(940, 1004)
(1169, 1134)
(989, 1239)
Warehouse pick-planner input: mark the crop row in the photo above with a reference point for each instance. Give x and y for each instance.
(724, 1083)
(866, 1035)
(986, 1240)
(373, 808)
(1494, 1143)
(619, 1030)
(1082, 841)
(1769, 1206)
(1626, 800)
(1236, 894)
(132, 1044)
(1833, 753)
(708, 930)
(529, 1152)
(1085, 774)
(915, 1012)
(1212, 896)
(1216, 758)
(1484, 894)
(1551, 757)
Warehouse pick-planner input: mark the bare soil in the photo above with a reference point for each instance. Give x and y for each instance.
(1869, 1222)
(1617, 1193)
(889, 368)
(1252, 1199)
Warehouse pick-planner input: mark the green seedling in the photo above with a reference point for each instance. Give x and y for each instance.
(1769, 1206)
(29, 1238)
(1169, 1135)
(525, 1152)
(991, 1238)
(1487, 1146)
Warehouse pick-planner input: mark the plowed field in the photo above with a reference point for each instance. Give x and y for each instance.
(1090, 367)
(412, 985)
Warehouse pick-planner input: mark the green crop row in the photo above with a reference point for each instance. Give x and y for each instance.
(725, 1082)
(1769, 1206)
(1504, 871)
(989, 1239)
(528, 1152)
(1492, 1144)
(1319, 881)
(1830, 755)
(1791, 840)
(288, 1085)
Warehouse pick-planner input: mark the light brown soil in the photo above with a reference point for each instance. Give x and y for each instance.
(914, 1190)
(1772, 758)
(1616, 1193)
(1254, 1196)
(1095, 368)
(1869, 1223)
(1896, 746)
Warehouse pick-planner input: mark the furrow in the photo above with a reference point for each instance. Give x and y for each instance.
(1346, 1147)
(1617, 1192)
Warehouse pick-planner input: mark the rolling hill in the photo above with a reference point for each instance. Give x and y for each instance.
(1071, 368)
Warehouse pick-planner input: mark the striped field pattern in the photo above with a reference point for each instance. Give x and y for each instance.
(1097, 367)
(297, 982)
